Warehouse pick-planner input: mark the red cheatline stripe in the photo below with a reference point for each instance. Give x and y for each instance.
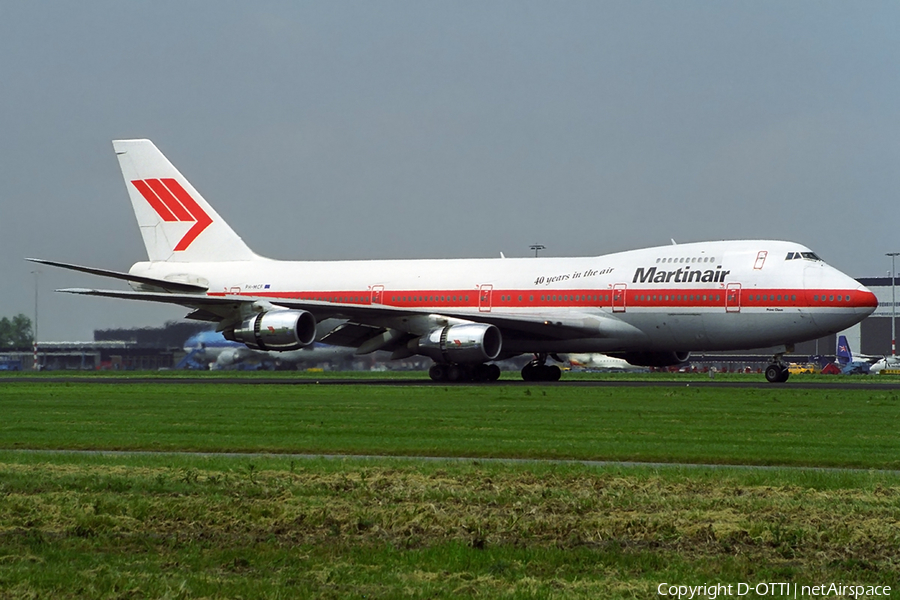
(203, 219)
(684, 299)
(153, 200)
(169, 200)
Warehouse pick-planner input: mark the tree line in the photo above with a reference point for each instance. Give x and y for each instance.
(16, 332)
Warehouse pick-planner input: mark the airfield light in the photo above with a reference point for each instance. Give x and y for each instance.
(36, 366)
(537, 248)
(893, 255)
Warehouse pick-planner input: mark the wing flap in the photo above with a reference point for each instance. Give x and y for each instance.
(351, 335)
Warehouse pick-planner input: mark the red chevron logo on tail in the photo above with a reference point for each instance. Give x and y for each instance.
(172, 203)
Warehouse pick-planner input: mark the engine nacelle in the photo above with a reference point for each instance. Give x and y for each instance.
(467, 343)
(656, 359)
(277, 330)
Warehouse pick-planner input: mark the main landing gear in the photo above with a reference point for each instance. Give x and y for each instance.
(451, 372)
(538, 370)
(777, 372)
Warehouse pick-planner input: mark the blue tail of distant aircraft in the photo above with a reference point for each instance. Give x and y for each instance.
(844, 355)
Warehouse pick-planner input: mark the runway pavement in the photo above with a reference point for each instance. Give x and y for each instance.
(839, 383)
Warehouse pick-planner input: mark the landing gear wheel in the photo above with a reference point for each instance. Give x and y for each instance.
(438, 372)
(537, 371)
(485, 372)
(552, 373)
(776, 373)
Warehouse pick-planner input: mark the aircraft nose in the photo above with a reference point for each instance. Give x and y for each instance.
(837, 301)
(864, 299)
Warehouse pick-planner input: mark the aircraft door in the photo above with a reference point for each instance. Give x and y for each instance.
(377, 294)
(733, 298)
(485, 293)
(618, 297)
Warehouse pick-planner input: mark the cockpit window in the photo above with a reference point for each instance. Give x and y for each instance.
(802, 255)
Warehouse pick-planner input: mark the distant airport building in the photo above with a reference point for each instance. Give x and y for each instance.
(875, 332)
(149, 348)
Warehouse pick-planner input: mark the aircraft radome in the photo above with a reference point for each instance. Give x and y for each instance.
(651, 307)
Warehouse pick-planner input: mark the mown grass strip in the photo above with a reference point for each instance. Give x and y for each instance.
(163, 526)
(769, 426)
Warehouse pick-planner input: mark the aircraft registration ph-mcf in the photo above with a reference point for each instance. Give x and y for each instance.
(651, 307)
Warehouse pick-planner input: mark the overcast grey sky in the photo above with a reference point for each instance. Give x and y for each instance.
(330, 130)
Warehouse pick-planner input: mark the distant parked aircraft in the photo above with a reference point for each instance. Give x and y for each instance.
(602, 362)
(886, 362)
(212, 349)
(850, 365)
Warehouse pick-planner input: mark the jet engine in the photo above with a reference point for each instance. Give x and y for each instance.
(277, 330)
(466, 343)
(656, 359)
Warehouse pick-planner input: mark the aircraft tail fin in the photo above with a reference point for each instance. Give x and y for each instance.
(177, 224)
(844, 355)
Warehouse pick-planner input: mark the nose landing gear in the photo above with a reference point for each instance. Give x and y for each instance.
(777, 372)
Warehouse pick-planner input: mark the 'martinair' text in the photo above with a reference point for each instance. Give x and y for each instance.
(682, 275)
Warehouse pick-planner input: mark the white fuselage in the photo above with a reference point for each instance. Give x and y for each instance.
(725, 295)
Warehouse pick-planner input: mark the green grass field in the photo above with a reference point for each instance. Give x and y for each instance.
(176, 525)
(766, 426)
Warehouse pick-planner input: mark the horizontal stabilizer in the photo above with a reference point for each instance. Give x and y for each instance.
(174, 298)
(174, 286)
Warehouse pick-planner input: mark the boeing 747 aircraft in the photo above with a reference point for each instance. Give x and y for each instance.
(651, 306)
